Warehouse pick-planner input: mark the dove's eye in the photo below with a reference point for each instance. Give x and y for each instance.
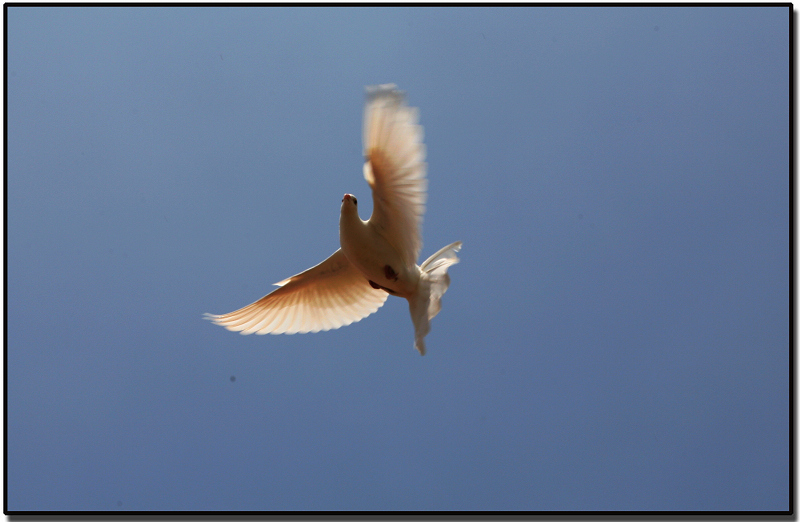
(355, 200)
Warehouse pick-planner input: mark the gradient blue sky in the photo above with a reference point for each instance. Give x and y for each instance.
(616, 336)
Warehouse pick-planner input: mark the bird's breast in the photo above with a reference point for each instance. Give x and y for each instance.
(376, 258)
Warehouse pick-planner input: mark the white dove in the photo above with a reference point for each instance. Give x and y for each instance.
(377, 257)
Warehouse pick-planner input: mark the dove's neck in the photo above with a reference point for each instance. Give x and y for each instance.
(352, 229)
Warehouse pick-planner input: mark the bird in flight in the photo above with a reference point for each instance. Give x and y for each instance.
(377, 257)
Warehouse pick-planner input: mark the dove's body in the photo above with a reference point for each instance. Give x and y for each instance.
(373, 255)
(377, 257)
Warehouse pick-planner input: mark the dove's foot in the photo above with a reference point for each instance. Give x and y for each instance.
(391, 275)
(376, 286)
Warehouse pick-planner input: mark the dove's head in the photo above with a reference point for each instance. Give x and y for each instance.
(349, 204)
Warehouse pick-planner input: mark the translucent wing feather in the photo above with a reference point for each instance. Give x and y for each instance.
(326, 296)
(395, 169)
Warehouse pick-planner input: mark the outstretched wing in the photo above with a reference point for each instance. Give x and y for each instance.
(395, 169)
(326, 296)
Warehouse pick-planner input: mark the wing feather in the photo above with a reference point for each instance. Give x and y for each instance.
(326, 296)
(395, 169)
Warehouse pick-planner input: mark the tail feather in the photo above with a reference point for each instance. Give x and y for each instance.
(433, 283)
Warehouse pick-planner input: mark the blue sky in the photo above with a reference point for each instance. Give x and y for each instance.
(615, 337)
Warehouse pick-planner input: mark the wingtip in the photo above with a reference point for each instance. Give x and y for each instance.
(385, 89)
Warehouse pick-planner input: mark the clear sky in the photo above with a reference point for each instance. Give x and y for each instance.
(615, 337)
